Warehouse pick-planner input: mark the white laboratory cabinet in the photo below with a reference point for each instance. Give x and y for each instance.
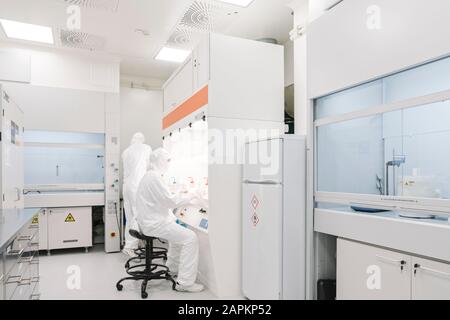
(431, 280)
(274, 222)
(12, 156)
(366, 272)
(65, 228)
(180, 87)
(216, 94)
(189, 78)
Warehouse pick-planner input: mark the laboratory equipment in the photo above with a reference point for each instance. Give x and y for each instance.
(274, 223)
(213, 96)
(64, 175)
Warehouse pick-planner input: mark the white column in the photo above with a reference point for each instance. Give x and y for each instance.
(305, 11)
(301, 14)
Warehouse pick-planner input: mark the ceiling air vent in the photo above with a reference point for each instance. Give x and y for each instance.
(81, 40)
(180, 37)
(200, 17)
(108, 5)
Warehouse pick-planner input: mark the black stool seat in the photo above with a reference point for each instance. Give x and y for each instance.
(150, 270)
(141, 236)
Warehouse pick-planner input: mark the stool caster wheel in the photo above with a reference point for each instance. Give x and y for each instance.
(119, 287)
(144, 293)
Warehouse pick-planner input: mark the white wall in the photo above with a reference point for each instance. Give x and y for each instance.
(58, 109)
(61, 69)
(343, 51)
(141, 111)
(288, 63)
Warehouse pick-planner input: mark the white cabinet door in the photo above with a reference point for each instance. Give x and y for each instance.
(43, 229)
(201, 65)
(12, 153)
(431, 280)
(181, 87)
(369, 273)
(69, 228)
(262, 241)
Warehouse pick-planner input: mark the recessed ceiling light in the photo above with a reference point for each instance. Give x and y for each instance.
(172, 55)
(240, 3)
(26, 31)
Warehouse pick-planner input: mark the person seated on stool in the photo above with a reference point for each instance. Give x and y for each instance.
(155, 204)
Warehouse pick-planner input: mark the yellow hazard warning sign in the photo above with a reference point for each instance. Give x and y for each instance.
(70, 218)
(35, 220)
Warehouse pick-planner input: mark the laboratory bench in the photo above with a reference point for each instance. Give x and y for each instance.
(411, 255)
(19, 254)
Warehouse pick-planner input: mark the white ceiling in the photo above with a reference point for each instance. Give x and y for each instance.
(262, 19)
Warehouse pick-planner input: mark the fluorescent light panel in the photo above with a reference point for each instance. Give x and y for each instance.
(240, 3)
(172, 55)
(26, 31)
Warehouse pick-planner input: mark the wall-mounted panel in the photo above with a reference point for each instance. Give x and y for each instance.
(14, 67)
(360, 40)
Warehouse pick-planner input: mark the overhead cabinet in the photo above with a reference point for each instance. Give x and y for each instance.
(180, 87)
(189, 78)
(366, 272)
(242, 79)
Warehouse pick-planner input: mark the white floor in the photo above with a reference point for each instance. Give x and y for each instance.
(99, 273)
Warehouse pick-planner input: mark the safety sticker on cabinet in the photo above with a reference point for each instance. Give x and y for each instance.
(35, 220)
(70, 218)
(255, 219)
(255, 202)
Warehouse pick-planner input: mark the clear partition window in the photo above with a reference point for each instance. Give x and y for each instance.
(390, 137)
(62, 158)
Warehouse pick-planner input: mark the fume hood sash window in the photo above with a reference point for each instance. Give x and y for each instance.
(383, 145)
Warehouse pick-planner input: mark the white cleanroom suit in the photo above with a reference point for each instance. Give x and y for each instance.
(135, 165)
(155, 204)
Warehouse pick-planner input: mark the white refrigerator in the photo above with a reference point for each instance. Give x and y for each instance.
(274, 219)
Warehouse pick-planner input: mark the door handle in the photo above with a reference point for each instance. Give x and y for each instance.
(263, 182)
(400, 263)
(430, 270)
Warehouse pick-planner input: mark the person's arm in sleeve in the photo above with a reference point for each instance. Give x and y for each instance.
(171, 200)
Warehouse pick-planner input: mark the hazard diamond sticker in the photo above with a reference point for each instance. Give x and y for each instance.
(255, 202)
(255, 219)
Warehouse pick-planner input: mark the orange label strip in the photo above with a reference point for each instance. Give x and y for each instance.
(194, 103)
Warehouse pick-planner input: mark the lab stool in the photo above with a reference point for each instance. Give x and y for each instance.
(148, 271)
(158, 253)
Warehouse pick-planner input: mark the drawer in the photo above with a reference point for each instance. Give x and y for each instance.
(11, 257)
(28, 237)
(34, 268)
(21, 274)
(23, 289)
(36, 292)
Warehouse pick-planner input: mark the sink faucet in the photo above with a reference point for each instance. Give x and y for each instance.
(395, 163)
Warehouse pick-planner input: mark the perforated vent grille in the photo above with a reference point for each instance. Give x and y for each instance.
(109, 5)
(81, 40)
(201, 17)
(180, 37)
